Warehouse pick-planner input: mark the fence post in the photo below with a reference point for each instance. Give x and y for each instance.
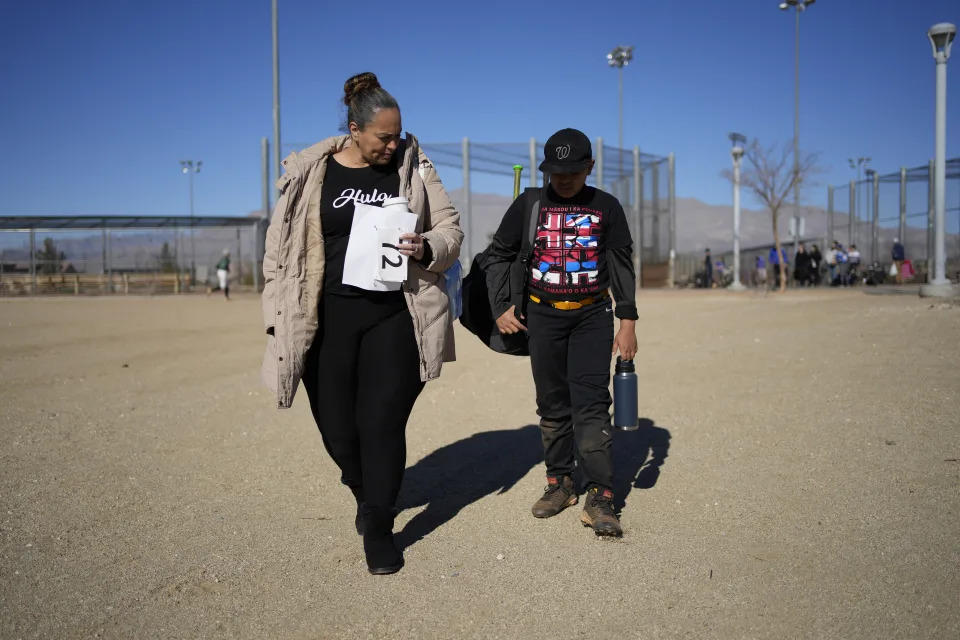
(33, 259)
(655, 200)
(239, 262)
(852, 210)
(672, 204)
(637, 220)
(467, 210)
(599, 155)
(858, 201)
(259, 249)
(109, 261)
(103, 248)
(930, 221)
(902, 227)
(76, 284)
(260, 227)
(176, 252)
(829, 214)
(533, 163)
(641, 242)
(875, 236)
(126, 283)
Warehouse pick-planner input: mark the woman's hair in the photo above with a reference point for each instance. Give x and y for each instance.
(364, 98)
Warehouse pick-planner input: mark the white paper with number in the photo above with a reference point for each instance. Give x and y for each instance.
(392, 264)
(366, 254)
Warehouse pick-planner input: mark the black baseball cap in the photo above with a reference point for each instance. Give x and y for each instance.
(566, 151)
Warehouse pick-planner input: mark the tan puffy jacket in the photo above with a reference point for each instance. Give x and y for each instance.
(294, 263)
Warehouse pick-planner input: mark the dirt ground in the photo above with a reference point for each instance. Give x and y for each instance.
(797, 476)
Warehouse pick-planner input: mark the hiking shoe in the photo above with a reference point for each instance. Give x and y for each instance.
(598, 513)
(557, 496)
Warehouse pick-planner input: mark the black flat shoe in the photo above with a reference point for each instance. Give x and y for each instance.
(383, 557)
(385, 571)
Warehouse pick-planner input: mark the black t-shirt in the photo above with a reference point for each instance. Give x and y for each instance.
(573, 237)
(343, 187)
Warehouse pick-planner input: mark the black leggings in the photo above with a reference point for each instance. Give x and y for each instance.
(362, 376)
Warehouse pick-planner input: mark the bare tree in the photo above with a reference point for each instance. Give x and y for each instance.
(770, 175)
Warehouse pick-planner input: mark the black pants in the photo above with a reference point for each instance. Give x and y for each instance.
(570, 356)
(362, 376)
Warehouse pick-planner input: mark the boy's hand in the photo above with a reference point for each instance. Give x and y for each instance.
(508, 323)
(626, 340)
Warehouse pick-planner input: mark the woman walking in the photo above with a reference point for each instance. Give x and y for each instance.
(363, 356)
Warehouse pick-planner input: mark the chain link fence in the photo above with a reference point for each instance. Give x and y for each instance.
(479, 178)
(872, 212)
(122, 255)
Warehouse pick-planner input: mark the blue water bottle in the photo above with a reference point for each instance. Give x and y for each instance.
(625, 416)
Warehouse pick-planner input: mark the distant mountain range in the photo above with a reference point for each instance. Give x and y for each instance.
(699, 225)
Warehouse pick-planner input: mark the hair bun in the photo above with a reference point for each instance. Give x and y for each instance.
(358, 84)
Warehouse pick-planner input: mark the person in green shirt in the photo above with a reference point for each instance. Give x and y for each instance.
(223, 274)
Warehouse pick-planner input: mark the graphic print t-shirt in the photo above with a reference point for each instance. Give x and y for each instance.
(343, 187)
(569, 259)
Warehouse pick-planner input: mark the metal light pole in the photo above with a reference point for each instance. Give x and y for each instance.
(619, 58)
(941, 39)
(736, 153)
(799, 6)
(190, 168)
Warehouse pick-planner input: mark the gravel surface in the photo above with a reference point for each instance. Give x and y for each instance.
(797, 476)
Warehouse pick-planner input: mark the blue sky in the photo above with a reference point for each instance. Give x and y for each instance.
(102, 99)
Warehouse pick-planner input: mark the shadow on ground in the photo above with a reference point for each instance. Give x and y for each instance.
(637, 458)
(459, 474)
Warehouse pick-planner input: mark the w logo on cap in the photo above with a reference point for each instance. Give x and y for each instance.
(567, 151)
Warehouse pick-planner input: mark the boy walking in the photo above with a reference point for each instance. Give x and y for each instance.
(581, 250)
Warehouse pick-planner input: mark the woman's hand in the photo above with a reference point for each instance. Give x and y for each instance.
(508, 323)
(411, 245)
(626, 340)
